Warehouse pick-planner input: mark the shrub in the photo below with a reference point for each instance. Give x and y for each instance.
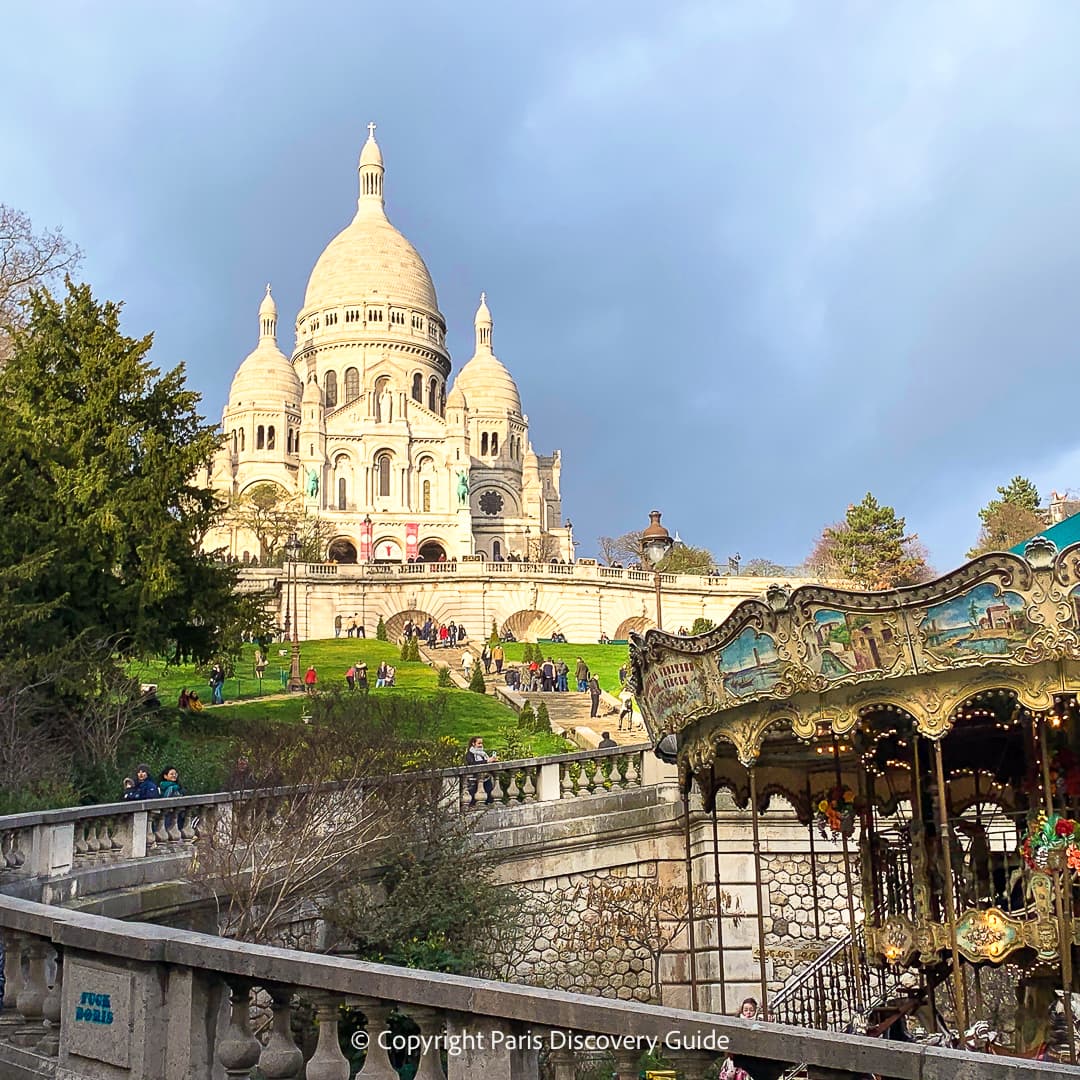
(701, 625)
(476, 679)
(380, 631)
(543, 721)
(404, 652)
(443, 676)
(526, 718)
(414, 649)
(493, 639)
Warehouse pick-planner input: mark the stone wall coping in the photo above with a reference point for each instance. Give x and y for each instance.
(133, 806)
(538, 1007)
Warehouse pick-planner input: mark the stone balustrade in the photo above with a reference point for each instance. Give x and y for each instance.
(53, 843)
(96, 998)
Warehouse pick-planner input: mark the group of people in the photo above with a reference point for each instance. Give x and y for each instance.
(436, 635)
(144, 786)
(189, 700)
(354, 629)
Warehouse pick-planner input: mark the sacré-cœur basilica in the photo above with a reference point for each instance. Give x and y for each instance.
(364, 425)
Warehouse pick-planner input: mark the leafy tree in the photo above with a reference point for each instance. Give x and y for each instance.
(380, 631)
(442, 676)
(268, 512)
(28, 260)
(871, 548)
(436, 903)
(702, 625)
(1010, 519)
(685, 559)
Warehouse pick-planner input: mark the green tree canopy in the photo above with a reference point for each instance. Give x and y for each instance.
(99, 452)
(872, 548)
(686, 559)
(1009, 519)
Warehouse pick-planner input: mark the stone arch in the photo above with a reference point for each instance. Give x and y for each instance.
(395, 625)
(341, 550)
(431, 549)
(636, 623)
(530, 625)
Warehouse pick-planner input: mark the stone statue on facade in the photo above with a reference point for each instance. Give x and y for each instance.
(312, 483)
(463, 489)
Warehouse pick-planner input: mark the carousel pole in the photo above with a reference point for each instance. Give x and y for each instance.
(813, 859)
(856, 966)
(719, 909)
(950, 903)
(920, 891)
(1064, 921)
(690, 902)
(757, 888)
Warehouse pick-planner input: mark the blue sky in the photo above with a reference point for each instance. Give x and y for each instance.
(745, 261)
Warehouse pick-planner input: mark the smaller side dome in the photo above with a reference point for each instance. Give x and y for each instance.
(457, 399)
(484, 378)
(266, 377)
(312, 391)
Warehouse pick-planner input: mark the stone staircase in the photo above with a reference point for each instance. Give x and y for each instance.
(567, 711)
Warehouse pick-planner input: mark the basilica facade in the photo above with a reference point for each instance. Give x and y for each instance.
(365, 431)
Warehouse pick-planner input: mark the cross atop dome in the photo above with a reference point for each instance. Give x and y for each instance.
(371, 130)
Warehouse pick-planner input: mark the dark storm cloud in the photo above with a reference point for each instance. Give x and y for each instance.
(746, 262)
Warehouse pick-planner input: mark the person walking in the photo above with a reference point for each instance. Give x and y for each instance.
(562, 672)
(311, 677)
(627, 713)
(485, 656)
(350, 678)
(581, 673)
(217, 684)
(361, 676)
(498, 655)
(337, 626)
(547, 675)
(594, 696)
(466, 663)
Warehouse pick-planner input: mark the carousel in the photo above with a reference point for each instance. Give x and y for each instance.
(933, 734)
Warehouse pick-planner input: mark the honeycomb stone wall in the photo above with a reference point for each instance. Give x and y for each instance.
(790, 938)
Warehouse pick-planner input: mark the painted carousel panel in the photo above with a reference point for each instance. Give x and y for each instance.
(984, 621)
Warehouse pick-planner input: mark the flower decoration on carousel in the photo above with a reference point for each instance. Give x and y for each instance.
(1052, 843)
(835, 813)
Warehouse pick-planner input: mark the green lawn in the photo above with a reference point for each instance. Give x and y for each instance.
(603, 660)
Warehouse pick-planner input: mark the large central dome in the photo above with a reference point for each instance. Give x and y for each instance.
(369, 257)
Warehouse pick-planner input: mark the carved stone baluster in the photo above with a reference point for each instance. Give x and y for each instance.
(12, 980)
(50, 1044)
(81, 845)
(116, 836)
(592, 776)
(105, 836)
(172, 826)
(160, 835)
(563, 1062)
(32, 994)
(188, 825)
(633, 770)
(93, 840)
(430, 1023)
(513, 792)
(281, 1058)
(328, 1062)
(619, 769)
(238, 1050)
(11, 854)
(376, 1064)
(566, 782)
(530, 785)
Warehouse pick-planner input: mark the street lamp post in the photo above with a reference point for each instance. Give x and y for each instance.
(292, 551)
(656, 542)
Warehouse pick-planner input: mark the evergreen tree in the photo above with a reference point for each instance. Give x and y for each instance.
(98, 451)
(1010, 519)
(493, 639)
(701, 625)
(871, 547)
(476, 679)
(380, 631)
(526, 718)
(543, 720)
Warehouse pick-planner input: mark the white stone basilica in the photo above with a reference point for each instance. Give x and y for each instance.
(361, 427)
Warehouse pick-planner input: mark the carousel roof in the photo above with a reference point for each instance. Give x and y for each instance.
(821, 660)
(1064, 534)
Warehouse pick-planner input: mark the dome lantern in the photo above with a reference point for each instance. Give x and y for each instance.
(371, 173)
(483, 325)
(268, 317)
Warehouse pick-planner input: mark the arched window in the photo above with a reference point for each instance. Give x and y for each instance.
(442, 401)
(352, 384)
(427, 496)
(496, 550)
(241, 438)
(330, 388)
(383, 465)
(260, 438)
(494, 444)
(432, 393)
(483, 445)
(341, 493)
(270, 437)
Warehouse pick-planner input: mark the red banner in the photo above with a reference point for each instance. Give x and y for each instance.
(411, 529)
(365, 541)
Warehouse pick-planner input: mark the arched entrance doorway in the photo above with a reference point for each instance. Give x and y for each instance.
(530, 625)
(432, 551)
(342, 551)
